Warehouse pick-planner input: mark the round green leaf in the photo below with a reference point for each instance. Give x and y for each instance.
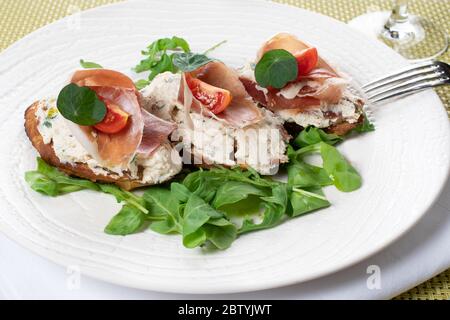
(81, 105)
(276, 68)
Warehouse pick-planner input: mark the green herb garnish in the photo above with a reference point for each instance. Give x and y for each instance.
(172, 55)
(312, 135)
(80, 105)
(276, 68)
(189, 61)
(365, 126)
(127, 221)
(90, 65)
(159, 56)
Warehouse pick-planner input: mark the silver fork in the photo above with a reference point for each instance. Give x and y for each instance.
(416, 77)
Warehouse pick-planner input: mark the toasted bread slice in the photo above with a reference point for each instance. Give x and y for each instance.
(125, 180)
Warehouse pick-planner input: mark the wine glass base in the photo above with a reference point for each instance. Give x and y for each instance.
(416, 40)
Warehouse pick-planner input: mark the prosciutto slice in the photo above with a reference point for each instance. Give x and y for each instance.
(155, 132)
(321, 85)
(241, 111)
(144, 132)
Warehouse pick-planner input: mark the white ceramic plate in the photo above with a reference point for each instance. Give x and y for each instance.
(404, 163)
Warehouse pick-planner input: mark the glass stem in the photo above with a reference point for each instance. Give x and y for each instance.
(399, 13)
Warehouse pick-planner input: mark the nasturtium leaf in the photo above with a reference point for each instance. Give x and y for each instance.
(81, 105)
(276, 68)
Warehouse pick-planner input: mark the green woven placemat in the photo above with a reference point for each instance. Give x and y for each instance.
(20, 17)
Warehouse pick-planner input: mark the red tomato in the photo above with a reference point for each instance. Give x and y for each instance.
(115, 119)
(306, 61)
(215, 99)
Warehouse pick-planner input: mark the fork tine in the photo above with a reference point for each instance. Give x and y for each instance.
(409, 81)
(407, 69)
(431, 71)
(407, 89)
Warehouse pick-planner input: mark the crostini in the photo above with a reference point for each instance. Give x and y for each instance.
(129, 146)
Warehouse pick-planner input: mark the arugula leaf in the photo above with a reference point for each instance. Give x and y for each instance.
(220, 232)
(141, 84)
(127, 221)
(279, 195)
(365, 126)
(307, 200)
(340, 171)
(234, 191)
(165, 44)
(172, 55)
(123, 196)
(161, 203)
(302, 174)
(203, 183)
(312, 135)
(273, 215)
(90, 65)
(166, 225)
(165, 64)
(62, 178)
(180, 192)
(237, 174)
(276, 68)
(52, 182)
(80, 105)
(344, 176)
(189, 61)
(275, 209)
(41, 183)
(196, 214)
(160, 57)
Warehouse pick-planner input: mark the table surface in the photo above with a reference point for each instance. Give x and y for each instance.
(20, 17)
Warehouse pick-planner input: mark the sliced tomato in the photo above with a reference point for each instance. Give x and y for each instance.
(213, 98)
(115, 119)
(306, 61)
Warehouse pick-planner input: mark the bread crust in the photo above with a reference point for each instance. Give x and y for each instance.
(341, 129)
(81, 170)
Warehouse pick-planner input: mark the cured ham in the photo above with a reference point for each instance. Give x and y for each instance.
(155, 132)
(143, 133)
(240, 112)
(321, 85)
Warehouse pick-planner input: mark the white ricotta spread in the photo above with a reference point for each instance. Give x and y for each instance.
(212, 141)
(160, 166)
(161, 95)
(346, 110)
